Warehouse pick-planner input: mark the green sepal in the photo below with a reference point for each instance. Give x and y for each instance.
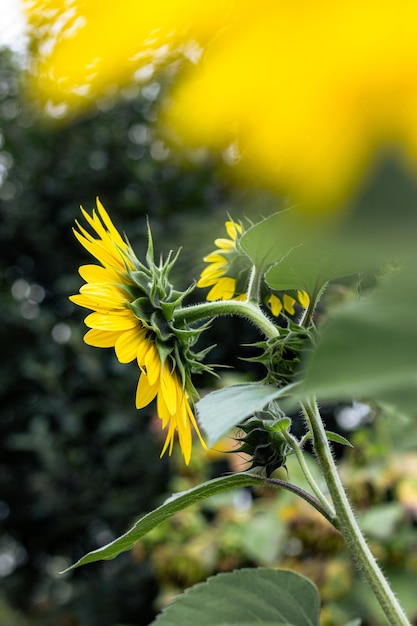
(331, 436)
(143, 310)
(141, 278)
(264, 441)
(160, 326)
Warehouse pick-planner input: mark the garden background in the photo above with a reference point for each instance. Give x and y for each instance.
(78, 463)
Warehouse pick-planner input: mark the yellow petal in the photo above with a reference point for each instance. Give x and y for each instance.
(123, 320)
(98, 274)
(224, 289)
(275, 304)
(145, 392)
(169, 388)
(224, 244)
(233, 229)
(102, 338)
(194, 422)
(303, 298)
(103, 296)
(289, 303)
(126, 347)
(210, 278)
(215, 257)
(152, 363)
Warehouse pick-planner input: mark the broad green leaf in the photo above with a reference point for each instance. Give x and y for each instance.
(310, 271)
(175, 503)
(265, 597)
(272, 239)
(368, 348)
(221, 410)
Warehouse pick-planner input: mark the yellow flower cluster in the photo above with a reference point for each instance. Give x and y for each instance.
(227, 273)
(109, 292)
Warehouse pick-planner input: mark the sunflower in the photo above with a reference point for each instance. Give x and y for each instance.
(228, 274)
(132, 308)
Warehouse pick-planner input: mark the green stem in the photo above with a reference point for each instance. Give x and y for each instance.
(309, 477)
(347, 523)
(254, 286)
(248, 310)
(276, 482)
(307, 315)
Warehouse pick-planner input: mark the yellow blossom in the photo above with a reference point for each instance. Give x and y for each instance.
(228, 270)
(110, 291)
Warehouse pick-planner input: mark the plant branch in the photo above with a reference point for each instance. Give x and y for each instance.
(347, 523)
(276, 482)
(247, 310)
(309, 477)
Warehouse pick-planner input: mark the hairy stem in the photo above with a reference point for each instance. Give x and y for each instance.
(247, 310)
(276, 482)
(347, 523)
(326, 505)
(306, 318)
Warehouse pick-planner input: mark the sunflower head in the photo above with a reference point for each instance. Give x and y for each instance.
(228, 272)
(133, 306)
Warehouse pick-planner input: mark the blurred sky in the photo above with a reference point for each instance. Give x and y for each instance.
(12, 25)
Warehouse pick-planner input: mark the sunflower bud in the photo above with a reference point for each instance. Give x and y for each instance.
(264, 440)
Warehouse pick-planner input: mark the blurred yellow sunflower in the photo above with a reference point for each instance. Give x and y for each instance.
(228, 271)
(308, 92)
(110, 291)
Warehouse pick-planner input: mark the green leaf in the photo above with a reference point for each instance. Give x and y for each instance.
(381, 521)
(310, 270)
(368, 348)
(265, 597)
(175, 503)
(272, 239)
(221, 410)
(338, 438)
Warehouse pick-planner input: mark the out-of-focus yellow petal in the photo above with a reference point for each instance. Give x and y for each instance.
(233, 229)
(308, 91)
(215, 257)
(93, 44)
(224, 244)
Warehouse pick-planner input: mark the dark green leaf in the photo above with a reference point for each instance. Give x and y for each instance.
(221, 410)
(175, 503)
(265, 597)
